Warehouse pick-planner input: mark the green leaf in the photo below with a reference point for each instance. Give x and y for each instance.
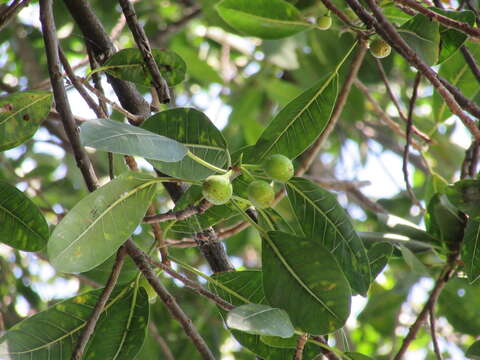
(413, 262)
(197, 133)
(458, 302)
(398, 225)
(357, 356)
(323, 219)
(128, 64)
(395, 240)
(100, 223)
(465, 195)
(470, 250)
(20, 116)
(258, 319)
(120, 138)
(378, 256)
(52, 334)
(423, 36)
(299, 123)
(266, 19)
(473, 351)
(444, 221)
(451, 39)
(278, 342)
(22, 225)
(456, 71)
(301, 276)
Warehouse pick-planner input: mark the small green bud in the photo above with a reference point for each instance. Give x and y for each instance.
(380, 48)
(217, 189)
(261, 194)
(324, 22)
(278, 167)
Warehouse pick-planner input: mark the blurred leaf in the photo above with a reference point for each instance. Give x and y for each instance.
(465, 195)
(470, 250)
(398, 225)
(120, 138)
(197, 133)
(53, 334)
(298, 124)
(22, 224)
(128, 64)
(258, 319)
(302, 271)
(100, 223)
(459, 304)
(473, 351)
(445, 222)
(413, 262)
(266, 19)
(423, 36)
(323, 219)
(20, 116)
(357, 356)
(378, 256)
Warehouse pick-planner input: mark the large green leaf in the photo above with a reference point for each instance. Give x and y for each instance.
(120, 138)
(465, 196)
(451, 39)
(245, 287)
(20, 116)
(423, 36)
(471, 250)
(128, 64)
(259, 319)
(299, 123)
(267, 19)
(195, 131)
(456, 71)
(22, 225)
(473, 351)
(101, 222)
(459, 304)
(302, 277)
(52, 334)
(322, 218)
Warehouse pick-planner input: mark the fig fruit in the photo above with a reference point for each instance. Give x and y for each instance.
(278, 167)
(260, 194)
(217, 189)
(380, 48)
(324, 22)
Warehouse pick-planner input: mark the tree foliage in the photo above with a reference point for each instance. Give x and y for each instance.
(183, 180)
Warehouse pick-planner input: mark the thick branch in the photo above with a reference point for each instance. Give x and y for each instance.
(61, 101)
(179, 215)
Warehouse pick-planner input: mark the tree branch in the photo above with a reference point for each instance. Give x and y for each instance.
(143, 45)
(61, 101)
(142, 263)
(302, 340)
(179, 215)
(99, 306)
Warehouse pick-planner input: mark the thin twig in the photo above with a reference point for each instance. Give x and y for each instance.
(312, 152)
(395, 102)
(178, 215)
(433, 333)
(99, 306)
(192, 285)
(142, 263)
(60, 95)
(302, 340)
(161, 342)
(342, 16)
(408, 139)
(444, 20)
(327, 353)
(144, 46)
(9, 12)
(470, 60)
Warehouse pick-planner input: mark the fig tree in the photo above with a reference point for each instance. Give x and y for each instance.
(278, 167)
(380, 48)
(217, 189)
(261, 194)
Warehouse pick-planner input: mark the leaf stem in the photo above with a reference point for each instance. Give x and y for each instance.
(205, 163)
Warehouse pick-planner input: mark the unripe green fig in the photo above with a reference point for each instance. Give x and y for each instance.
(278, 167)
(380, 48)
(324, 22)
(217, 189)
(152, 294)
(260, 194)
